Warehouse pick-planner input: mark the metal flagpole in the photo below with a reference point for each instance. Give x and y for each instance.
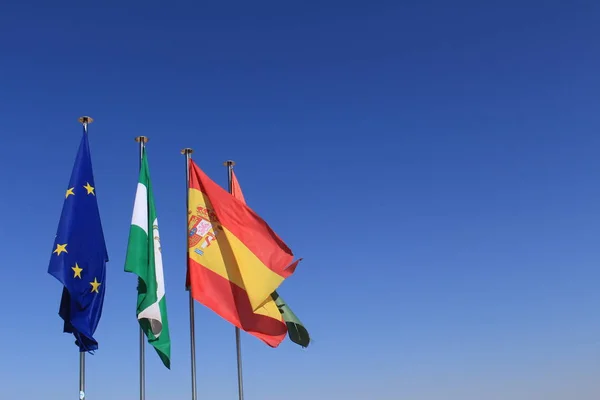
(238, 344)
(142, 140)
(187, 152)
(85, 121)
(81, 375)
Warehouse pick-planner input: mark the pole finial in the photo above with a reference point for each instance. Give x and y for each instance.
(142, 139)
(187, 150)
(86, 120)
(229, 163)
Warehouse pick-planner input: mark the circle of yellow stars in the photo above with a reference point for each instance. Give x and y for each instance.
(62, 248)
(77, 270)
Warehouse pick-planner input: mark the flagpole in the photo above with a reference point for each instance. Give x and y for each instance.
(238, 344)
(81, 375)
(85, 121)
(188, 155)
(142, 140)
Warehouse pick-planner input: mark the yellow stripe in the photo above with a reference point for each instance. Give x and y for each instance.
(270, 309)
(224, 254)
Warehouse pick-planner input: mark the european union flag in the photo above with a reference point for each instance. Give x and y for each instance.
(79, 254)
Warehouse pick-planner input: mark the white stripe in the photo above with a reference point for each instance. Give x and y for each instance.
(140, 208)
(158, 264)
(152, 313)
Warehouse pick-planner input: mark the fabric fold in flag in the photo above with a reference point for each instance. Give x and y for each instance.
(79, 255)
(236, 261)
(144, 259)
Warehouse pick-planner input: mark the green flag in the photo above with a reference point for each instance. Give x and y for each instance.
(296, 331)
(144, 260)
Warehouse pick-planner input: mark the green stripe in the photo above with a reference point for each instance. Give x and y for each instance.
(296, 330)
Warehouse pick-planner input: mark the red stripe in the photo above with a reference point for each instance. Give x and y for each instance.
(231, 303)
(236, 190)
(245, 224)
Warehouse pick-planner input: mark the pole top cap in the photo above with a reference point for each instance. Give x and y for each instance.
(86, 120)
(142, 139)
(187, 150)
(229, 163)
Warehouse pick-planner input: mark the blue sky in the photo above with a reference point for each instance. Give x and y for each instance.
(435, 164)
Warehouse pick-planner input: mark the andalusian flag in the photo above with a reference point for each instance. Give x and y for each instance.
(144, 259)
(296, 331)
(236, 261)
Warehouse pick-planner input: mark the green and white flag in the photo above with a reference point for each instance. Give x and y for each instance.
(296, 330)
(144, 259)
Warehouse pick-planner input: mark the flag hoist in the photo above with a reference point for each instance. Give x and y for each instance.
(187, 152)
(144, 259)
(79, 256)
(295, 329)
(238, 345)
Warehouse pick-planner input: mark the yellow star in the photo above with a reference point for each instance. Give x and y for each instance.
(70, 192)
(95, 286)
(89, 188)
(60, 248)
(77, 271)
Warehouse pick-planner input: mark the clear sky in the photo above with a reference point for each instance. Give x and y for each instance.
(435, 163)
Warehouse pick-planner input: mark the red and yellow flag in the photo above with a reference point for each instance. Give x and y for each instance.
(235, 259)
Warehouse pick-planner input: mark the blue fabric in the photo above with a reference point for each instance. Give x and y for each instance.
(79, 254)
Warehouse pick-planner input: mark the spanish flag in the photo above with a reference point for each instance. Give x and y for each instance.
(235, 260)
